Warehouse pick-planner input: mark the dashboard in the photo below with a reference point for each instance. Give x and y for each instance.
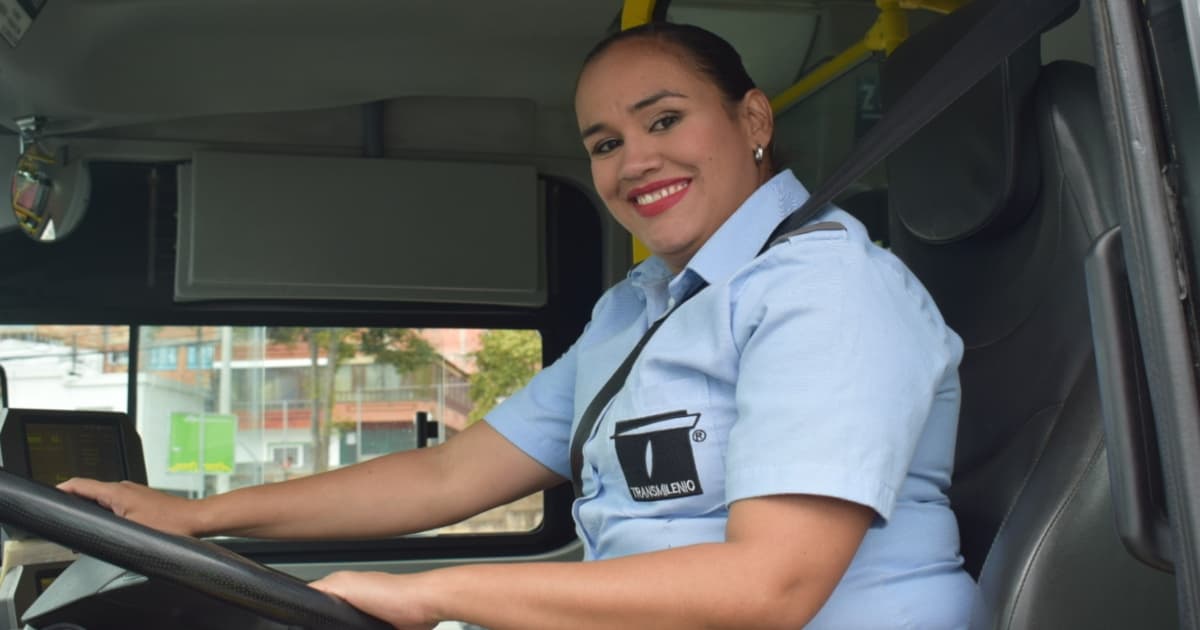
(49, 447)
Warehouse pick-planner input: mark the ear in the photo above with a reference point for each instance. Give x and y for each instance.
(757, 117)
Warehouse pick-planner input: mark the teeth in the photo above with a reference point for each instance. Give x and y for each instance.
(651, 197)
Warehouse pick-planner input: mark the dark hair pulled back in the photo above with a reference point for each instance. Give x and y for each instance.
(712, 55)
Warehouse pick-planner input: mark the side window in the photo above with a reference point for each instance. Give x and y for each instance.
(220, 408)
(66, 367)
(252, 405)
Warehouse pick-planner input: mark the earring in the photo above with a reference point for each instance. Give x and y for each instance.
(758, 154)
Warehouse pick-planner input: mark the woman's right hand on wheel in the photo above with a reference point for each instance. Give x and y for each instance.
(140, 504)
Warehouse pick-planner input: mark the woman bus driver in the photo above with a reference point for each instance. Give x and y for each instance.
(778, 456)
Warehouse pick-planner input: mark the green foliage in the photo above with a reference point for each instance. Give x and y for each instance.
(323, 338)
(401, 348)
(506, 360)
(287, 335)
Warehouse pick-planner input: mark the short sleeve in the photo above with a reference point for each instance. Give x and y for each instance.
(842, 354)
(537, 419)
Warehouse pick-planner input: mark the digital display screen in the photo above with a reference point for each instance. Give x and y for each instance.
(59, 451)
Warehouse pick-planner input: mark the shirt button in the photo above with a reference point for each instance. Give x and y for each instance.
(670, 303)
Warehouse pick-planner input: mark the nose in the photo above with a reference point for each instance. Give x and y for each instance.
(639, 157)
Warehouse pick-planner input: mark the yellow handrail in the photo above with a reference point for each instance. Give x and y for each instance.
(889, 31)
(890, 28)
(937, 6)
(821, 75)
(636, 13)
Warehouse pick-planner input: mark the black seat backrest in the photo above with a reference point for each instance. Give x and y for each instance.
(871, 207)
(994, 206)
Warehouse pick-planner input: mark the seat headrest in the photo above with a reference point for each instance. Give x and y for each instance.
(974, 169)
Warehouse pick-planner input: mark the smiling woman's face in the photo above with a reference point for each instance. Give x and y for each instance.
(671, 157)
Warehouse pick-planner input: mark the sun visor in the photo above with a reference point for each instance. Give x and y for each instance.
(317, 228)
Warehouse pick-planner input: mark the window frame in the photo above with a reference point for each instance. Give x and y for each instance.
(137, 264)
(1137, 103)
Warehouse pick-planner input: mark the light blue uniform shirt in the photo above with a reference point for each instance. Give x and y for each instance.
(821, 367)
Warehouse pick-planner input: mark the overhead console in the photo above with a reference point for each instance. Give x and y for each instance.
(287, 227)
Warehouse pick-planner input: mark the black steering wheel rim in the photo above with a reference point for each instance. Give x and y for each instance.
(188, 562)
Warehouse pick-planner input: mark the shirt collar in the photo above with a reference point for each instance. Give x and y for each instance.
(745, 232)
(736, 242)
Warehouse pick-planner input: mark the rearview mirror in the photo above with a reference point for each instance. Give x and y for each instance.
(49, 191)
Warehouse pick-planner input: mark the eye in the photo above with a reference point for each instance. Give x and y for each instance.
(664, 122)
(605, 146)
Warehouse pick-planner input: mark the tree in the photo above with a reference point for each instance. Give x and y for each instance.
(402, 348)
(506, 360)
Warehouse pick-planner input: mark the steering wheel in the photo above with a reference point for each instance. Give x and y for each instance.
(188, 562)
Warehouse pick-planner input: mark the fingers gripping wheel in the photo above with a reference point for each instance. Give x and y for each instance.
(193, 564)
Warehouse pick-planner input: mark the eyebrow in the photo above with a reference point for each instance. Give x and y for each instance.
(654, 98)
(642, 104)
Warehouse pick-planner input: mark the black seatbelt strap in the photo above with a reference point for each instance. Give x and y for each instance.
(791, 226)
(590, 415)
(1002, 27)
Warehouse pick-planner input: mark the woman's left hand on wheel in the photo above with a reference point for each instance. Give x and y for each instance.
(400, 600)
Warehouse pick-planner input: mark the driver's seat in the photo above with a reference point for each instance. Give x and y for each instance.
(999, 239)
